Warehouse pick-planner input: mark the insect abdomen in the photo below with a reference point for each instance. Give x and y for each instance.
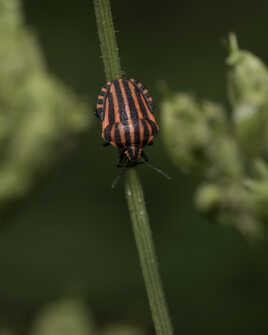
(127, 133)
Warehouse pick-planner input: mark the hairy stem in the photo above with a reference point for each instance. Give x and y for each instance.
(134, 192)
(107, 38)
(145, 245)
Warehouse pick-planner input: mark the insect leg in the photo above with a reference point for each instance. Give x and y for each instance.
(121, 159)
(99, 114)
(143, 155)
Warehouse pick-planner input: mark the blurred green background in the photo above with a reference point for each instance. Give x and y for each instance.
(71, 235)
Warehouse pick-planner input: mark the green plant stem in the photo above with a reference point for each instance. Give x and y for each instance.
(145, 245)
(134, 192)
(107, 38)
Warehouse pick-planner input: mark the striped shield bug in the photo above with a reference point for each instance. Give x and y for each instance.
(125, 108)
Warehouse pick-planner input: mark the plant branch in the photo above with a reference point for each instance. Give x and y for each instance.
(134, 192)
(107, 38)
(145, 245)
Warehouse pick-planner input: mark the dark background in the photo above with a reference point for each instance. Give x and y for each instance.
(73, 233)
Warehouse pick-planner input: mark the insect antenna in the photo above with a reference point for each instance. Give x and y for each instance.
(156, 169)
(117, 178)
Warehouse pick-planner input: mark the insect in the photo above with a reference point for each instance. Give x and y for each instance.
(125, 108)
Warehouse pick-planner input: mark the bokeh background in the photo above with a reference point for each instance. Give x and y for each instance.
(71, 234)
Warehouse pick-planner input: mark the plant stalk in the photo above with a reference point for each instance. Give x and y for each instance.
(134, 192)
(109, 49)
(146, 250)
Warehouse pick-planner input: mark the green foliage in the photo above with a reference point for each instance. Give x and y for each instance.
(194, 132)
(200, 139)
(248, 95)
(39, 116)
(65, 317)
(71, 316)
(258, 188)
